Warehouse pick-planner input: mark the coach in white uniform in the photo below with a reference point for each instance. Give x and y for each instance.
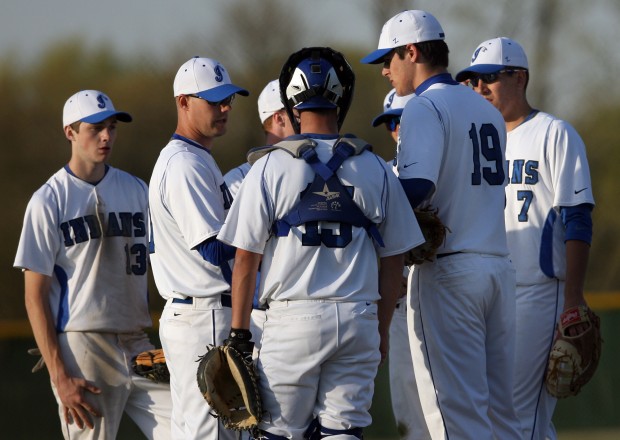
(329, 305)
(451, 157)
(84, 251)
(548, 219)
(188, 205)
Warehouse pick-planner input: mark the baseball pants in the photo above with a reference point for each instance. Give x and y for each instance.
(538, 309)
(462, 337)
(104, 359)
(318, 359)
(185, 331)
(406, 405)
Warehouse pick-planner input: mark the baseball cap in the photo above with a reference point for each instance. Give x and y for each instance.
(269, 100)
(494, 55)
(91, 106)
(393, 105)
(412, 26)
(206, 78)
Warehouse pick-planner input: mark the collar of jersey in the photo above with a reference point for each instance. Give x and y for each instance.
(189, 141)
(325, 137)
(105, 173)
(442, 78)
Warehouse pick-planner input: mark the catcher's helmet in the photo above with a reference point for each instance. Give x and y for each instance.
(316, 78)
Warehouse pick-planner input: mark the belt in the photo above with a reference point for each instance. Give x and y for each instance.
(225, 299)
(448, 254)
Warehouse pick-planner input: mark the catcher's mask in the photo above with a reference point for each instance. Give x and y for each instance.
(316, 78)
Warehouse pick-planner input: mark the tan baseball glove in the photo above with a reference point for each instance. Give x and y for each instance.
(573, 359)
(152, 365)
(434, 232)
(229, 383)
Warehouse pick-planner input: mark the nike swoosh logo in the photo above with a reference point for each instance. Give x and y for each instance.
(581, 190)
(409, 164)
(176, 314)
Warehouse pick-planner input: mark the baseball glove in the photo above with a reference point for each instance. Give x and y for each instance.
(434, 232)
(573, 359)
(229, 384)
(152, 365)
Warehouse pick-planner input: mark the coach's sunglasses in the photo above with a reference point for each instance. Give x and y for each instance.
(224, 102)
(490, 78)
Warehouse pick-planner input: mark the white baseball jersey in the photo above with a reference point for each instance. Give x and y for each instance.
(93, 241)
(548, 168)
(467, 156)
(234, 177)
(188, 204)
(291, 271)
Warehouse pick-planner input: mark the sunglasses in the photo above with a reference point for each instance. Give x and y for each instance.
(489, 78)
(224, 102)
(392, 123)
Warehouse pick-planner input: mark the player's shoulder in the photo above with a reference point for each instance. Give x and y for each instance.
(126, 177)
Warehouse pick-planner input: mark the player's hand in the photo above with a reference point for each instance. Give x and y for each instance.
(75, 407)
(576, 329)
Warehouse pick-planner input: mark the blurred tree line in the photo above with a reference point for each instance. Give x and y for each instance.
(34, 145)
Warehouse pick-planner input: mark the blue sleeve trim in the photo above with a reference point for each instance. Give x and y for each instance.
(578, 222)
(417, 190)
(215, 251)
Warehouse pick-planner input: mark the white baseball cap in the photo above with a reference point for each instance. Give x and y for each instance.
(269, 100)
(393, 105)
(413, 26)
(494, 55)
(90, 106)
(206, 78)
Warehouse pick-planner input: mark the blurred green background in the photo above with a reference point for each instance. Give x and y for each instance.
(132, 50)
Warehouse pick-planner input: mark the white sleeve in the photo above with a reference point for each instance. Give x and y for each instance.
(39, 243)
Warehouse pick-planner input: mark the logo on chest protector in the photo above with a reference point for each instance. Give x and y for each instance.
(327, 195)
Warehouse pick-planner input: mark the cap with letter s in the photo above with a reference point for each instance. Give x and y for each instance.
(206, 78)
(494, 55)
(412, 26)
(393, 105)
(91, 106)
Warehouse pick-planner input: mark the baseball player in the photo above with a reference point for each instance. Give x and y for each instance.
(406, 406)
(548, 219)
(462, 305)
(276, 126)
(319, 223)
(188, 205)
(83, 251)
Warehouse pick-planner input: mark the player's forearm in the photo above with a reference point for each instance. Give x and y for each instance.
(577, 254)
(243, 285)
(390, 279)
(37, 288)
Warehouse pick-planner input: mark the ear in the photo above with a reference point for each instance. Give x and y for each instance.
(412, 51)
(69, 133)
(182, 101)
(278, 118)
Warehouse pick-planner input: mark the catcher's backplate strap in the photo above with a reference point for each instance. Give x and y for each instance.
(326, 199)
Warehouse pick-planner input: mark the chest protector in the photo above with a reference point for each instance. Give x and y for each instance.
(326, 199)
